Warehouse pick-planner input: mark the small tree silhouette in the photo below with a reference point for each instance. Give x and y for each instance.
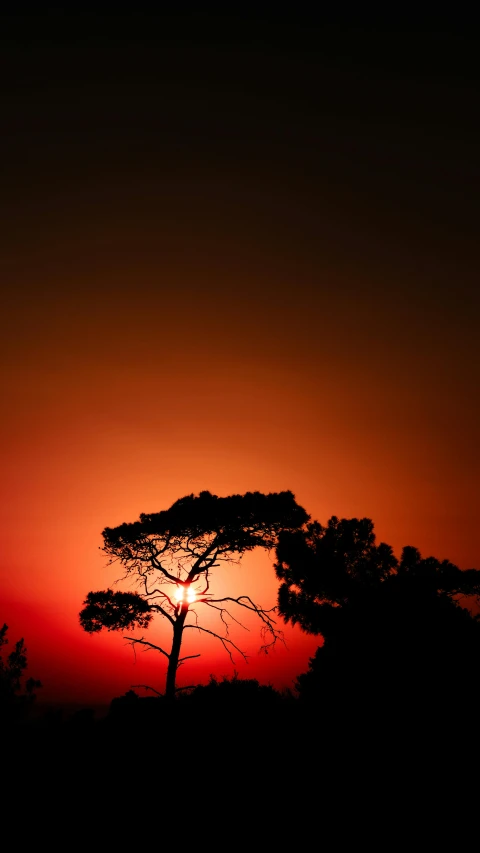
(171, 554)
(15, 698)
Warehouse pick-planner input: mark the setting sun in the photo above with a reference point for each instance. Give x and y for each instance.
(189, 597)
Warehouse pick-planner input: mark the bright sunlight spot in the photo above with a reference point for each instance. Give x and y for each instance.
(180, 594)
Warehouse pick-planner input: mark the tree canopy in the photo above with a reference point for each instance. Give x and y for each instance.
(384, 621)
(325, 570)
(170, 556)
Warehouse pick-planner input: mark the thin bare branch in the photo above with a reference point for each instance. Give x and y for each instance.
(246, 601)
(223, 611)
(224, 641)
(162, 610)
(134, 641)
(146, 687)
(195, 570)
(268, 629)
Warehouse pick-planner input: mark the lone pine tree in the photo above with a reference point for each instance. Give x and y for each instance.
(171, 555)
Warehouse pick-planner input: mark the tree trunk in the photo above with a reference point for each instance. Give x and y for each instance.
(175, 652)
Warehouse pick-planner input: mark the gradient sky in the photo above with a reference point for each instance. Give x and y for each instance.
(235, 255)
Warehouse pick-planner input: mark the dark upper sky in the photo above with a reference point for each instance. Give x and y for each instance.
(236, 253)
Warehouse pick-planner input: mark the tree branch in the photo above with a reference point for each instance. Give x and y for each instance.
(146, 687)
(223, 610)
(196, 570)
(133, 641)
(223, 640)
(159, 606)
(162, 610)
(187, 657)
(268, 628)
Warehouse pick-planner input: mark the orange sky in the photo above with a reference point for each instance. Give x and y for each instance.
(279, 295)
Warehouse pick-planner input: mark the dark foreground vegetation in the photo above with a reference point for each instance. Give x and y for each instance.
(249, 756)
(389, 704)
(238, 722)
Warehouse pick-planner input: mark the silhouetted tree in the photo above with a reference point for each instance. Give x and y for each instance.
(390, 627)
(171, 555)
(15, 697)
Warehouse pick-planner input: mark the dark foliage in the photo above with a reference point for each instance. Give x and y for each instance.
(114, 611)
(232, 713)
(15, 697)
(238, 523)
(235, 694)
(395, 635)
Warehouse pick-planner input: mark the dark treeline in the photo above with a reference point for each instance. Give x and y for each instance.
(396, 670)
